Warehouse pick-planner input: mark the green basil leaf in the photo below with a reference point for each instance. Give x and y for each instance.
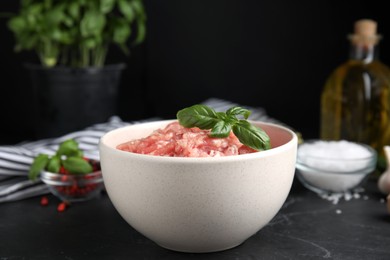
(79, 153)
(92, 23)
(106, 6)
(126, 9)
(37, 166)
(68, 148)
(35, 8)
(138, 7)
(77, 165)
(55, 16)
(221, 129)
(121, 32)
(54, 164)
(221, 124)
(251, 135)
(235, 111)
(74, 10)
(141, 31)
(200, 116)
(222, 115)
(16, 24)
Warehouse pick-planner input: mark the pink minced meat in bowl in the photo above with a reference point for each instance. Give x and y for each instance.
(177, 141)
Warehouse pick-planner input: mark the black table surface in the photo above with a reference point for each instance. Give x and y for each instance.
(307, 227)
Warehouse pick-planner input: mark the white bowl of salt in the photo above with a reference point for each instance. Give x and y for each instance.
(334, 166)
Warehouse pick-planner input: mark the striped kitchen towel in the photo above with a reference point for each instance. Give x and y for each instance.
(15, 160)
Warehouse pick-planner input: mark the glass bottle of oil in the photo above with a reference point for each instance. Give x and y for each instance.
(355, 102)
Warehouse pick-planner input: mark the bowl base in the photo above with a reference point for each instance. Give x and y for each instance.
(200, 249)
(329, 190)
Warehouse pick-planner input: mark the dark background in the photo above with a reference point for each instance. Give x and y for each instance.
(271, 54)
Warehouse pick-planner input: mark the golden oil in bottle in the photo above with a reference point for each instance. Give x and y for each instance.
(356, 97)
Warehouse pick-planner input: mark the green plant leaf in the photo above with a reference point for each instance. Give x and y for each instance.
(16, 24)
(25, 3)
(221, 124)
(74, 10)
(92, 23)
(55, 34)
(68, 148)
(68, 21)
(65, 37)
(35, 9)
(235, 111)
(37, 166)
(33, 22)
(138, 8)
(47, 4)
(221, 129)
(76, 165)
(200, 116)
(121, 32)
(251, 136)
(54, 164)
(106, 6)
(126, 9)
(55, 16)
(141, 32)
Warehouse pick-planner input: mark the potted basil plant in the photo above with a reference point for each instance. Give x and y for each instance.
(73, 86)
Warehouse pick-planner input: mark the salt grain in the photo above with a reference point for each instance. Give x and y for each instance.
(335, 197)
(347, 196)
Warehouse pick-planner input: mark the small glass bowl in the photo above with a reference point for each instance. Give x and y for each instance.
(74, 188)
(323, 174)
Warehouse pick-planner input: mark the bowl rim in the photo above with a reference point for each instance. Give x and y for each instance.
(372, 151)
(53, 178)
(103, 144)
(371, 159)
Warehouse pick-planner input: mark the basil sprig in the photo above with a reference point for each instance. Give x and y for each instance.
(68, 155)
(221, 124)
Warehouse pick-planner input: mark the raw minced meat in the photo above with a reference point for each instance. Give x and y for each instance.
(177, 141)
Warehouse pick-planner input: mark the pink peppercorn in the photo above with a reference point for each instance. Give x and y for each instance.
(61, 207)
(44, 201)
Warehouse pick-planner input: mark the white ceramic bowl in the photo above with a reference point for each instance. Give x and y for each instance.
(197, 204)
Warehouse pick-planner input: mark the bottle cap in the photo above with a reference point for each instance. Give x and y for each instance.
(365, 33)
(365, 27)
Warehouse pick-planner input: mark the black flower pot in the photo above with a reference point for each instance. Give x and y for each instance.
(71, 99)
